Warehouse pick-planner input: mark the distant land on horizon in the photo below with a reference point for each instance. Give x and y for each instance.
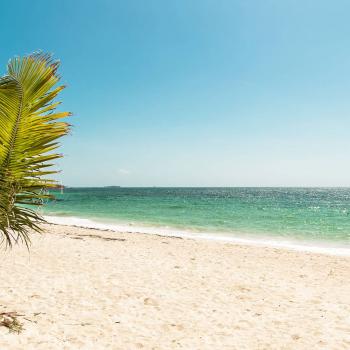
(116, 186)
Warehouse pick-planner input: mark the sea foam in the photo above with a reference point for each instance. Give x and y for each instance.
(235, 238)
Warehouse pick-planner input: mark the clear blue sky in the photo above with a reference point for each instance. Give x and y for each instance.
(203, 93)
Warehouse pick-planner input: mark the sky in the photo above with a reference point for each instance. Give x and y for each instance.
(196, 93)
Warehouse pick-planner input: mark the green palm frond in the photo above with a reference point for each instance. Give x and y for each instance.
(29, 129)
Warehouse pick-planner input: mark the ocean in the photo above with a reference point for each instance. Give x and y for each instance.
(317, 216)
(311, 216)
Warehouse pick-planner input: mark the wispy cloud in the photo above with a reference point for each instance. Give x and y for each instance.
(124, 171)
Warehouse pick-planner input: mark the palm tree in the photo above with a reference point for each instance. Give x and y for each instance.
(29, 129)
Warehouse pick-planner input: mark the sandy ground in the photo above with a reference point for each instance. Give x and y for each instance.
(89, 289)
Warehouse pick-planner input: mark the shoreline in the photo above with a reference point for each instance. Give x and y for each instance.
(328, 248)
(93, 289)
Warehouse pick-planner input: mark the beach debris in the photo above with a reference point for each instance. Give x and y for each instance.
(10, 321)
(99, 237)
(150, 301)
(170, 236)
(114, 239)
(179, 327)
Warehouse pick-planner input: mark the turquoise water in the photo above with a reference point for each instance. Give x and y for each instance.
(300, 213)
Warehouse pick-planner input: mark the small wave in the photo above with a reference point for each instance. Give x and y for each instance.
(314, 208)
(236, 238)
(58, 214)
(176, 207)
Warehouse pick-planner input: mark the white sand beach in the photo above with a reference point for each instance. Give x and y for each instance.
(90, 289)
